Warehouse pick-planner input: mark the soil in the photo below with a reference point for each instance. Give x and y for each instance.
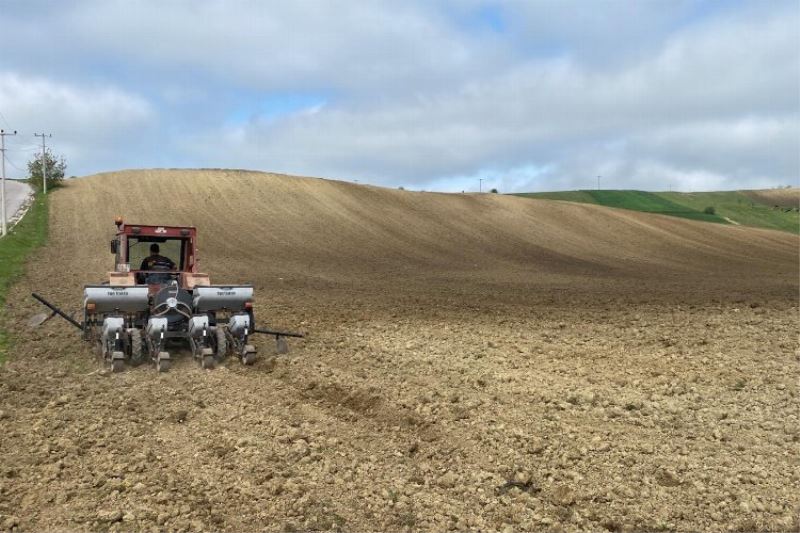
(474, 362)
(787, 197)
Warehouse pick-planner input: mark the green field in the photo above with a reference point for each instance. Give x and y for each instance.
(740, 209)
(21, 240)
(730, 207)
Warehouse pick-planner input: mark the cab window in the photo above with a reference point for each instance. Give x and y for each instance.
(139, 249)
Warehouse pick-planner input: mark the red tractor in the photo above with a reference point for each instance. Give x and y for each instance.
(155, 296)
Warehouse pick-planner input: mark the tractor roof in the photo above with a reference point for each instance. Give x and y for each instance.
(154, 231)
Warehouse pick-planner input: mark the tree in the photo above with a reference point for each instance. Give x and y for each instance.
(494, 191)
(55, 170)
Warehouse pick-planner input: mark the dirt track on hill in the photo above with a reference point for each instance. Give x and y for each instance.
(474, 362)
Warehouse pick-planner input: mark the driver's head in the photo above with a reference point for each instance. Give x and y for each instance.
(154, 249)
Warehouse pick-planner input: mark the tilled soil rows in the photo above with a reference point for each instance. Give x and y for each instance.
(473, 363)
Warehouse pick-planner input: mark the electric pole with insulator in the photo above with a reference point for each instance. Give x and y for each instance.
(44, 160)
(3, 229)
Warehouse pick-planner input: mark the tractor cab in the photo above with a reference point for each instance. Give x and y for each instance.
(176, 246)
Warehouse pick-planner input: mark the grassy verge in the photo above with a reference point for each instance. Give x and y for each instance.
(26, 236)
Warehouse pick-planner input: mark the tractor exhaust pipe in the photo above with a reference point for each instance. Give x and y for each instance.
(56, 311)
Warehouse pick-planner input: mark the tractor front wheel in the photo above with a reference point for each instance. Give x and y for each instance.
(136, 346)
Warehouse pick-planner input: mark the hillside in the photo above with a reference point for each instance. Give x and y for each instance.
(473, 362)
(773, 209)
(297, 228)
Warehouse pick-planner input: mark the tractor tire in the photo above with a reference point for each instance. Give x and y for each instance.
(222, 343)
(136, 346)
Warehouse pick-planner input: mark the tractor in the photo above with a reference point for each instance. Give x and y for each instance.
(155, 296)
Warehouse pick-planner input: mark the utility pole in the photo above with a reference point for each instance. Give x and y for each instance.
(480, 184)
(44, 160)
(598, 182)
(3, 229)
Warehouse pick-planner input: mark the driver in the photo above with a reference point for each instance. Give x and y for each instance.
(156, 261)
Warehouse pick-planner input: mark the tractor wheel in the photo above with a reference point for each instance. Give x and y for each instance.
(117, 365)
(136, 346)
(222, 343)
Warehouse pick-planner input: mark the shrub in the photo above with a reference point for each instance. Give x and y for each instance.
(710, 210)
(494, 191)
(55, 170)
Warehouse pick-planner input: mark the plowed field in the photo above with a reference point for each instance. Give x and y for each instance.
(474, 362)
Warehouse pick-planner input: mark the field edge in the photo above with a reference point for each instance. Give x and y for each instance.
(15, 248)
(724, 207)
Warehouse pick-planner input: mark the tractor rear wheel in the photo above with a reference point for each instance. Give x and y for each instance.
(222, 343)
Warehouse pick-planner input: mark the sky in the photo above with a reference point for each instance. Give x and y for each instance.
(525, 95)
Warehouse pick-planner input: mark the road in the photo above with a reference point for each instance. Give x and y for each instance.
(16, 194)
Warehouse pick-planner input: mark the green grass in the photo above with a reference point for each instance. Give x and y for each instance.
(26, 236)
(647, 202)
(730, 206)
(567, 196)
(740, 208)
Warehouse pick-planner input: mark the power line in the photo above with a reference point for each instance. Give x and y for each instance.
(10, 162)
(23, 148)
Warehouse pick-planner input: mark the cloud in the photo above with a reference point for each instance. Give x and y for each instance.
(716, 103)
(531, 95)
(88, 121)
(354, 46)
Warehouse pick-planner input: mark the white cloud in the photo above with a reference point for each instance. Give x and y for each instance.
(712, 105)
(353, 46)
(88, 122)
(420, 94)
